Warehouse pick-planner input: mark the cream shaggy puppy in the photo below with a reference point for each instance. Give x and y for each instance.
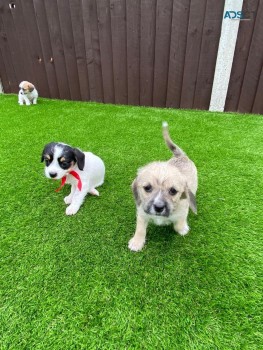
(164, 192)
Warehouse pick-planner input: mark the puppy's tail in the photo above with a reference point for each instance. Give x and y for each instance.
(173, 147)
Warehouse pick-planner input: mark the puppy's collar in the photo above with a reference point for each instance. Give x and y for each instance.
(64, 178)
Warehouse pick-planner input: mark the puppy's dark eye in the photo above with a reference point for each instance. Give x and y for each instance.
(47, 161)
(64, 165)
(172, 191)
(148, 188)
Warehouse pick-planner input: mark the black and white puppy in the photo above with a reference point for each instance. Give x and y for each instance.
(84, 171)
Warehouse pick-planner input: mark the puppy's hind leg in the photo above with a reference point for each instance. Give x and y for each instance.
(94, 192)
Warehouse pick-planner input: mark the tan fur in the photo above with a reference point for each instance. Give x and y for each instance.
(27, 86)
(154, 188)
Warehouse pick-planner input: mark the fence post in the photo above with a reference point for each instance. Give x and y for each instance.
(1, 87)
(225, 54)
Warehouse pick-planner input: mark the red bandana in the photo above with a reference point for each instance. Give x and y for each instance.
(64, 178)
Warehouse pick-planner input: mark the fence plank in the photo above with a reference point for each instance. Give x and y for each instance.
(244, 38)
(210, 41)
(147, 47)
(162, 51)
(133, 51)
(88, 50)
(177, 52)
(193, 47)
(23, 42)
(69, 48)
(254, 65)
(258, 103)
(35, 49)
(118, 30)
(79, 44)
(104, 26)
(43, 30)
(6, 54)
(3, 75)
(11, 44)
(57, 48)
(96, 50)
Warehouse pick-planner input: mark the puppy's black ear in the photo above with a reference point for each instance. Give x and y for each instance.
(43, 153)
(135, 192)
(80, 158)
(187, 194)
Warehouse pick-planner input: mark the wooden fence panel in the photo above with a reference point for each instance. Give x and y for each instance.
(258, 102)
(67, 42)
(119, 50)
(193, 48)
(162, 51)
(34, 46)
(23, 43)
(7, 68)
(79, 44)
(11, 45)
(57, 48)
(133, 51)
(210, 42)
(181, 9)
(96, 50)
(4, 77)
(147, 45)
(47, 53)
(140, 52)
(104, 27)
(254, 65)
(244, 39)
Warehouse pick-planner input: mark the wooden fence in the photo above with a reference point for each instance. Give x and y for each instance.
(139, 52)
(245, 91)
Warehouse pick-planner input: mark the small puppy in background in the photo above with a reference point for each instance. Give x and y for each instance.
(27, 94)
(84, 171)
(163, 193)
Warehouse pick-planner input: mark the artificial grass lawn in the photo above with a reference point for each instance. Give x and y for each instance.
(72, 283)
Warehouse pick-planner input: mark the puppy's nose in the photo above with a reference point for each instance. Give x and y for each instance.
(53, 175)
(159, 207)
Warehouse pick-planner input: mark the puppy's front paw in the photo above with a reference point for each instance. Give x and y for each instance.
(68, 199)
(72, 209)
(136, 244)
(183, 230)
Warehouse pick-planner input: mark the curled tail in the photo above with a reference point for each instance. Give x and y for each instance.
(173, 147)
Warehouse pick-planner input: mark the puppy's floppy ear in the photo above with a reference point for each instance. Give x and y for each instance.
(80, 158)
(30, 87)
(135, 191)
(187, 194)
(43, 153)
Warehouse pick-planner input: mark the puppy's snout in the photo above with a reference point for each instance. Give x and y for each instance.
(53, 175)
(159, 207)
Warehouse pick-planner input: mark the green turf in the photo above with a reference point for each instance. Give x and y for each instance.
(72, 283)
